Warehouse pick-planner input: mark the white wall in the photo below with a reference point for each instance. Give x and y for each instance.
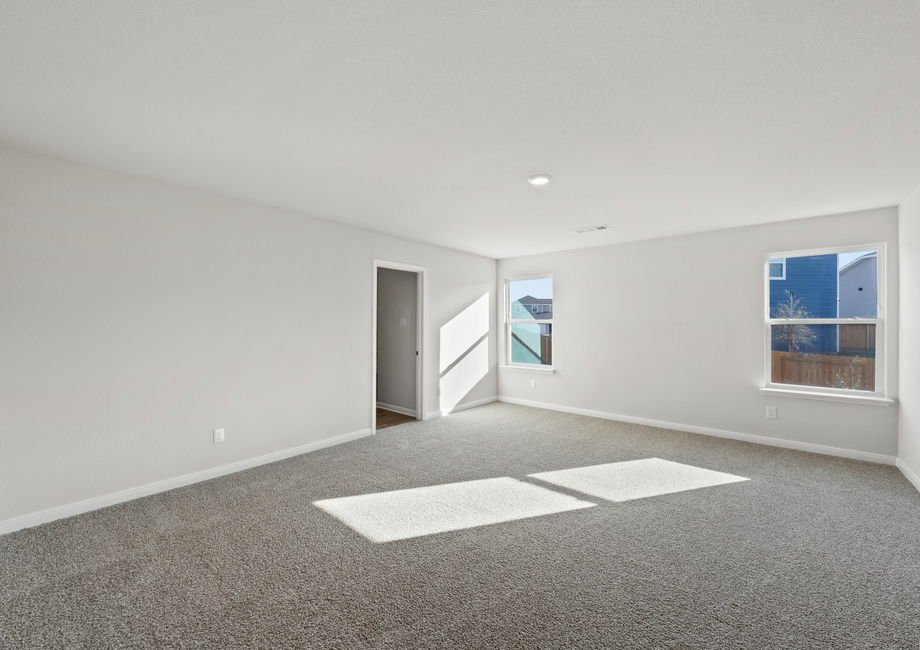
(672, 330)
(909, 438)
(137, 317)
(397, 303)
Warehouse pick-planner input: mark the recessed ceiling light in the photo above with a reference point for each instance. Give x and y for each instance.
(582, 231)
(539, 179)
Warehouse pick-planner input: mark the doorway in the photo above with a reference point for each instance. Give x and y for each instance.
(398, 344)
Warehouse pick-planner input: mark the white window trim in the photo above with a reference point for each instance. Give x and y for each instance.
(508, 364)
(774, 261)
(529, 368)
(876, 397)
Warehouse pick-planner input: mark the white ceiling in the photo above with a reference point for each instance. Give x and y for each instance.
(423, 119)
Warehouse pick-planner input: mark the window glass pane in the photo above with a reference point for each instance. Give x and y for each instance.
(858, 284)
(776, 269)
(810, 287)
(531, 299)
(532, 343)
(829, 356)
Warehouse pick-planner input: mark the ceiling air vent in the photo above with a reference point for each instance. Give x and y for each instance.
(582, 231)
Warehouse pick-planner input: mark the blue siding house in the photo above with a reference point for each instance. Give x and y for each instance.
(813, 280)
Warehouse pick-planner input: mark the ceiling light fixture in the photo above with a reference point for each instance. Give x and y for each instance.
(539, 179)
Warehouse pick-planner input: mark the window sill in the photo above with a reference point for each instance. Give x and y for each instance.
(548, 371)
(850, 399)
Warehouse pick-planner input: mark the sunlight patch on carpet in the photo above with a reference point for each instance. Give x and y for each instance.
(636, 479)
(403, 514)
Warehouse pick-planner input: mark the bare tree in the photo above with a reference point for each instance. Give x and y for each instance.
(850, 378)
(795, 337)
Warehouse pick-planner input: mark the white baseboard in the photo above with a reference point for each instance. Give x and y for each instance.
(433, 415)
(87, 505)
(397, 409)
(909, 473)
(718, 433)
(473, 404)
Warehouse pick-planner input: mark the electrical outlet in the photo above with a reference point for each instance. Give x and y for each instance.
(533, 383)
(771, 412)
(218, 436)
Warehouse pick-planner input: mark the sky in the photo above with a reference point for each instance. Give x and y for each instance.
(845, 258)
(542, 288)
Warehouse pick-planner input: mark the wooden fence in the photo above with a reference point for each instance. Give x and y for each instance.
(857, 338)
(546, 349)
(826, 370)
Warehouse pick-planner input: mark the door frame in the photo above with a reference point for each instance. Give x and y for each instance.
(421, 410)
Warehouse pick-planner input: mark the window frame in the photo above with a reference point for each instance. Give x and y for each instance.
(876, 397)
(509, 321)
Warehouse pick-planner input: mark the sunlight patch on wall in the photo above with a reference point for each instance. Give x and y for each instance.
(462, 332)
(460, 379)
(403, 514)
(636, 479)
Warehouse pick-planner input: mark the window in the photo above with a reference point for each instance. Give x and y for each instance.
(825, 323)
(778, 269)
(529, 332)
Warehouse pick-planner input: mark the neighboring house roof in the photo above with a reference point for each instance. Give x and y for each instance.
(530, 300)
(526, 301)
(858, 260)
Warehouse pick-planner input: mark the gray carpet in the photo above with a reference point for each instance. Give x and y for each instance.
(811, 552)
